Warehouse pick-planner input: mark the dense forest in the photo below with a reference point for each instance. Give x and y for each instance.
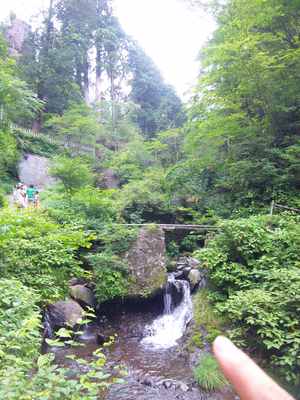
(124, 149)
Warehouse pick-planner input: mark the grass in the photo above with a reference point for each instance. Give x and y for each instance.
(208, 375)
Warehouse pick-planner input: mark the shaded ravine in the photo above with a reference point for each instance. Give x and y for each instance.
(150, 347)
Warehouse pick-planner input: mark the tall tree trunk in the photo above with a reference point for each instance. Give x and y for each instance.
(98, 93)
(86, 80)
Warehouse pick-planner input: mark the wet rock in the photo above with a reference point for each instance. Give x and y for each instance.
(76, 281)
(168, 384)
(194, 277)
(186, 272)
(83, 295)
(187, 262)
(183, 386)
(193, 263)
(147, 382)
(179, 275)
(64, 313)
(101, 339)
(147, 263)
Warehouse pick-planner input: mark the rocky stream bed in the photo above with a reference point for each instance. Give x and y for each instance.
(149, 344)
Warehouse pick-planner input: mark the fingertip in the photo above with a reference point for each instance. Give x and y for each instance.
(223, 346)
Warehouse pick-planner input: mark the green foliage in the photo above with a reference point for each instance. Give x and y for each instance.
(39, 252)
(20, 324)
(172, 249)
(242, 135)
(16, 99)
(252, 262)
(110, 276)
(145, 200)
(109, 266)
(208, 323)
(24, 374)
(41, 144)
(3, 201)
(9, 154)
(208, 375)
(74, 173)
(76, 128)
(160, 108)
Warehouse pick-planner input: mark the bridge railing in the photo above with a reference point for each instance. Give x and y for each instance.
(282, 207)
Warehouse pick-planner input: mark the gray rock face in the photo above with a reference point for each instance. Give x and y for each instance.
(147, 262)
(64, 313)
(34, 170)
(83, 295)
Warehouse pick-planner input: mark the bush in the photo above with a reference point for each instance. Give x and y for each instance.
(208, 375)
(254, 267)
(89, 207)
(74, 173)
(109, 267)
(39, 252)
(20, 338)
(9, 154)
(3, 201)
(24, 374)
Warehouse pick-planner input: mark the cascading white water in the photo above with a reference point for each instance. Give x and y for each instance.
(168, 328)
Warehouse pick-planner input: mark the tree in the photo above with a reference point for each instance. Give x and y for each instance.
(74, 173)
(247, 105)
(159, 106)
(77, 128)
(16, 99)
(47, 65)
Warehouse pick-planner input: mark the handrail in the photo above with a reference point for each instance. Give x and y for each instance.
(275, 205)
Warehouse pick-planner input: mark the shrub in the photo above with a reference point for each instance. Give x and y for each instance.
(254, 267)
(208, 375)
(3, 201)
(39, 252)
(110, 276)
(24, 374)
(74, 173)
(20, 323)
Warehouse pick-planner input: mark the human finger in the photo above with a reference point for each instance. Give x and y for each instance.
(249, 380)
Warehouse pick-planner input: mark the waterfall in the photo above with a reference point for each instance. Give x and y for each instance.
(168, 328)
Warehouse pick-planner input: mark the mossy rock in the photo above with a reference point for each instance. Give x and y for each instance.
(147, 263)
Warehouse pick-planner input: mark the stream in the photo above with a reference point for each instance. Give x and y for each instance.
(149, 344)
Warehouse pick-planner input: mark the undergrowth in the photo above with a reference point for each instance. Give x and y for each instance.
(208, 375)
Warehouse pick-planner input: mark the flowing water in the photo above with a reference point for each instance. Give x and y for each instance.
(167, 329)
(150, 347)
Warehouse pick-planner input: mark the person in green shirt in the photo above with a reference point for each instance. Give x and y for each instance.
(31, 192)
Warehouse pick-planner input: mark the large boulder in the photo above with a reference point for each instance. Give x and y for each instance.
(34, 170)
(197, 278)
(147, 263)
(62, 314)
(194, 278)
(83, 295)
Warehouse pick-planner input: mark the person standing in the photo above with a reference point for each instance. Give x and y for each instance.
(37, 202)
(31, 192)
(19, 196)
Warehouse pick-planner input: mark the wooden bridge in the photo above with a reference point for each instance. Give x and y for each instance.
(173, 227)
